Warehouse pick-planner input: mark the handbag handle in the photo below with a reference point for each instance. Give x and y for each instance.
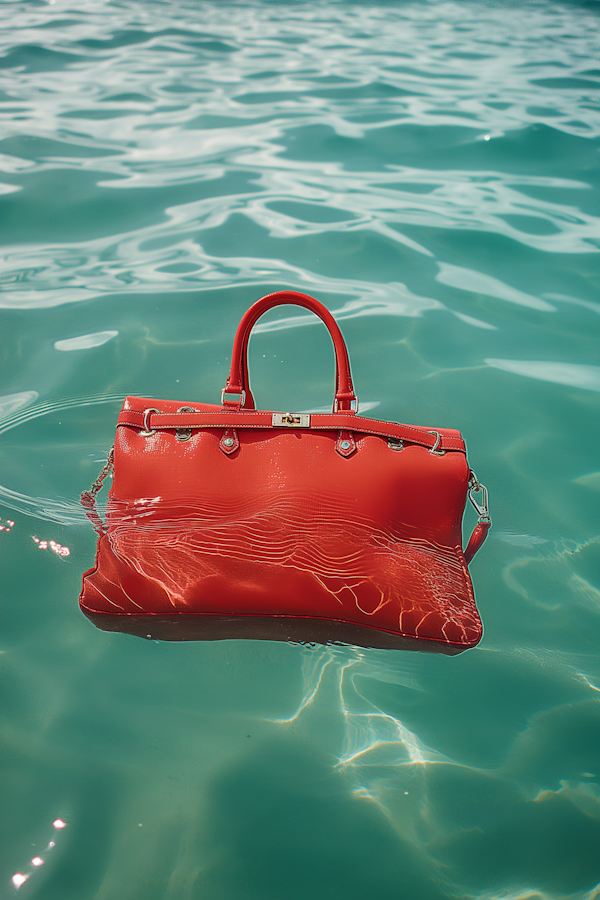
(238, 381)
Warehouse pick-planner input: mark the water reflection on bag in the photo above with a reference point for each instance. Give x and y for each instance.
(228, 522)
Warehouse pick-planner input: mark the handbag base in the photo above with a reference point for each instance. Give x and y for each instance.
(293, 629)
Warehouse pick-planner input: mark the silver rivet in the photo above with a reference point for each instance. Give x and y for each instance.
(228, 442)
(345, 445)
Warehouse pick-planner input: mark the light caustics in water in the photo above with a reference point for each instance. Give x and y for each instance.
(551, 579)
(380, 760)
(383, 762)
(370, 735)
(373, 736)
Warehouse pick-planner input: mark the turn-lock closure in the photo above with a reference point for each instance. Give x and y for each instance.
(291, 420)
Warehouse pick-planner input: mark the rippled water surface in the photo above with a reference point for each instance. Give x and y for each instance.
(430, 171)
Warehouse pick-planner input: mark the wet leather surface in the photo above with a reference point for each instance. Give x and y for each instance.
(285, 526)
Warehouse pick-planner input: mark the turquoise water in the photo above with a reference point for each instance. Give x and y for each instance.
(431, 172)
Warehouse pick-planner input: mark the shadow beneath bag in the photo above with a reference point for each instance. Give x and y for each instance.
(294, 630)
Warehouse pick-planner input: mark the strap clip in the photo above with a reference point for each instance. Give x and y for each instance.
(106, 471)
(482, 508)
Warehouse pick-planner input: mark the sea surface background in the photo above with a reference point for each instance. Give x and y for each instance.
(431, 172)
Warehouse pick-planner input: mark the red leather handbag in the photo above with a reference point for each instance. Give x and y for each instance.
(230, 522)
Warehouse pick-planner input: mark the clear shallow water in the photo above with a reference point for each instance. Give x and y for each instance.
(430, 171)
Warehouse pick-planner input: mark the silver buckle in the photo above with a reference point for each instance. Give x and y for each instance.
(225, 393)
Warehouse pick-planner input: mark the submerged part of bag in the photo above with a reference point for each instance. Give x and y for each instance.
(229, 522)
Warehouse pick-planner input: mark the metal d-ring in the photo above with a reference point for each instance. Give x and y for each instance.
(438, 441)
(146, 430)
(184, 434)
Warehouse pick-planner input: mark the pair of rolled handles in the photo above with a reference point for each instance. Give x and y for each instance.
(238, 381)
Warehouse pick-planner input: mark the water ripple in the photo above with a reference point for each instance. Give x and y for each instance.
(187, 124)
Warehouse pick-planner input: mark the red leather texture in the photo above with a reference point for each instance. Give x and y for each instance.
(346, 528)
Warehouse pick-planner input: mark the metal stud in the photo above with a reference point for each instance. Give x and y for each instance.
(345, 445)
(228, 442)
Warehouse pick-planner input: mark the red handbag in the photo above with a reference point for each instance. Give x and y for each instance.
(230, 522)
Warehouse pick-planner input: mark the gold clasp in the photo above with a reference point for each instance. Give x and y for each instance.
(291, 420)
